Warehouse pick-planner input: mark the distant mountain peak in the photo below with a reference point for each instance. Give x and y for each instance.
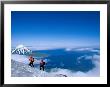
(21, 50)
(20, 46)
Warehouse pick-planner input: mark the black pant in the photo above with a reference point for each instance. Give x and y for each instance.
(42, 67)
(31, 64)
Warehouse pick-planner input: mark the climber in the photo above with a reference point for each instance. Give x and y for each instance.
(42, 63)
(31, 61)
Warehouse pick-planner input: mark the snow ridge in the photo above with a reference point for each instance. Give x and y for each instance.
(20, 49)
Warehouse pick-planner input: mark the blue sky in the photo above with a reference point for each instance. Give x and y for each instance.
(55, 29)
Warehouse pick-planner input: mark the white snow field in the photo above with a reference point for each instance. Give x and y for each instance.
(19, 69)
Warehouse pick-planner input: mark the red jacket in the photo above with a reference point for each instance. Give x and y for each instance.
(31, 59)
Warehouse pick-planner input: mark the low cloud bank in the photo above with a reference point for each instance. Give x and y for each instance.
(83, 49)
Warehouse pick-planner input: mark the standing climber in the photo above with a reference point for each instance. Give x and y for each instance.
(31, 61)
(42, 63)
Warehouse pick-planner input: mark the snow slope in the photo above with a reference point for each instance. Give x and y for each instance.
(19, 69)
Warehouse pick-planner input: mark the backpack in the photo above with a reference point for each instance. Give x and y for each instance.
(43, 63)
(33, 59)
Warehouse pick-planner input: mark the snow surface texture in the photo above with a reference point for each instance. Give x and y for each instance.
(20, 68)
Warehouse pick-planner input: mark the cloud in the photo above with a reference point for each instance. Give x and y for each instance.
(96, 61)
(83, 49)
(98, 51)
(68, 49)
(87, 49)
(95, 72)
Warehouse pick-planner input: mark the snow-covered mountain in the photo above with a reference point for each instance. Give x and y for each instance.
(19, 69)
(20, 49)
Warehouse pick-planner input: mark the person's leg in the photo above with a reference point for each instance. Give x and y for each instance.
(32, 64)
(43, 68)
(40, 67)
